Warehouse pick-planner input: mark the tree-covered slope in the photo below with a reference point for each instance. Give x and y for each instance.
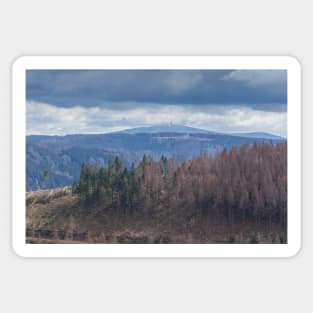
(60, 157)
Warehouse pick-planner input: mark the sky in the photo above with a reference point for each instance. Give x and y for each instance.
(63, 102)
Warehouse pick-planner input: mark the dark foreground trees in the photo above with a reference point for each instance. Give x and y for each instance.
(240, 185)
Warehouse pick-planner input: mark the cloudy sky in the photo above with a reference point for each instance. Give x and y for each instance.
(99, 101)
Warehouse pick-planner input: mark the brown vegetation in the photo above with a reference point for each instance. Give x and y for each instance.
(238, 196)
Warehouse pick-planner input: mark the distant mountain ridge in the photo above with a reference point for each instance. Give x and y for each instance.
(258, 135)
(62, 156)
(165, 128)
(182, 129)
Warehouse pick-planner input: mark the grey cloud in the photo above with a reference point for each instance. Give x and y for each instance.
(258, 89)
(181, 81)
(258, 78)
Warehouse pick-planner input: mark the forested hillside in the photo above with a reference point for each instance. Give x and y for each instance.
(62, 156)
(237, 185)
(238, 195)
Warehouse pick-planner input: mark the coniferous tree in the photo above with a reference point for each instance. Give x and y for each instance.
(242, 185)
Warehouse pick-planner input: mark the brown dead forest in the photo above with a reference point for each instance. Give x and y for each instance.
(236, 190)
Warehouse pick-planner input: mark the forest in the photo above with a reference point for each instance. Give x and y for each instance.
(246, 185)
(238, 195)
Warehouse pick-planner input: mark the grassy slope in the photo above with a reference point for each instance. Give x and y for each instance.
(58, 211)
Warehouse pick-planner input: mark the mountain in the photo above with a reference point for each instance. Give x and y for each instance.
(182, 129)
(62, 156)
(165, 128)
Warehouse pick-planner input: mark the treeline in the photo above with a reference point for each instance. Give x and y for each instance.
(237, 185)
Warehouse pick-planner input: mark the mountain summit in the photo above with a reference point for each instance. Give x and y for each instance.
(165, 128)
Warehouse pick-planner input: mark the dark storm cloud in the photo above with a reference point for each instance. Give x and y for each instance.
(117, 89)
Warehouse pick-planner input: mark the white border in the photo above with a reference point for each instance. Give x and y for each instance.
(156, 62)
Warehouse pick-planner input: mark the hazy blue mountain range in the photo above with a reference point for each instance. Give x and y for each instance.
(62, 156)
(165, 128)
(258, 135)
